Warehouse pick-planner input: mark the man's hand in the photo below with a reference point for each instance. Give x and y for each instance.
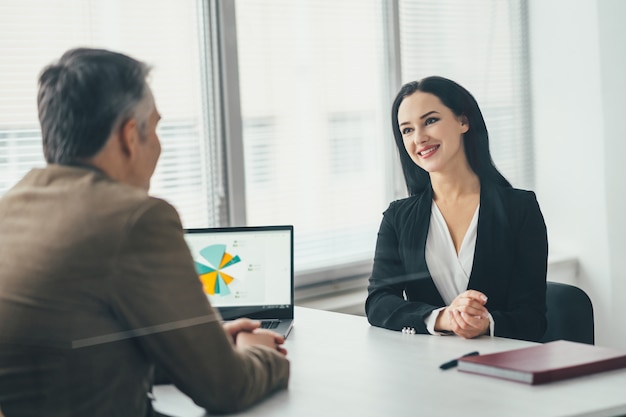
(246, 332)
(233, 328)
(263, 337)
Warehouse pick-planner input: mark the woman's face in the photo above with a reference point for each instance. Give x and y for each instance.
(432, 133)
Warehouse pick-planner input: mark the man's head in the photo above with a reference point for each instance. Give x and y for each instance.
(95, 106)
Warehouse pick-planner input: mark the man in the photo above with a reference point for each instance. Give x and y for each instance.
(97, 285)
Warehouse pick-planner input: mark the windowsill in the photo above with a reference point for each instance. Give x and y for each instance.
(343, 295)
(348, 295)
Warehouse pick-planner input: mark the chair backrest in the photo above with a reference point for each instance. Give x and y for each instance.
(570, 314)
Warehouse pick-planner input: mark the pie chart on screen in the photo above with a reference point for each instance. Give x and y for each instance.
(211, 269)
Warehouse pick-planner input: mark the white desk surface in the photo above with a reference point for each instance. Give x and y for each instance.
(341, 366)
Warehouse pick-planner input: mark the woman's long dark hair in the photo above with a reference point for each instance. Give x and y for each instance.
(475, 140)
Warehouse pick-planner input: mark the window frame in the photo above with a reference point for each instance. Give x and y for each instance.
(233, 133)
(223, 121)
(233, 130)
(224, 23)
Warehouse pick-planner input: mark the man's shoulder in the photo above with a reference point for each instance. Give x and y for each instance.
(86, 195)
(110, 199)
(95, 186)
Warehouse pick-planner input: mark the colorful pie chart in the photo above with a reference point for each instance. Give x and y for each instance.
(211, 268)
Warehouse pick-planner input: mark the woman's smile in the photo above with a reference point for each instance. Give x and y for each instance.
(428, 151)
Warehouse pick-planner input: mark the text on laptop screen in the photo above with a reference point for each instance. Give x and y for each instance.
(243, 267)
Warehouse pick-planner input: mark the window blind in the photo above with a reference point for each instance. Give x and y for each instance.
(314, 103)
(168, 35)
(482, 45)
(316, 80)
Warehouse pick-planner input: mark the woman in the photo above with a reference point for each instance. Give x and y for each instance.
(465, 253)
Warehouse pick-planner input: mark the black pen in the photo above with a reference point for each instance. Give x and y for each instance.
(454, 362)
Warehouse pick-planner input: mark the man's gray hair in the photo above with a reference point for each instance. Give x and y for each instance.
(85, 96)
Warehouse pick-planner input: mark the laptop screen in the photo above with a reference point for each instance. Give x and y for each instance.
(245, 271)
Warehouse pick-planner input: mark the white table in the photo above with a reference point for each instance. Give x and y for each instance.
(341, 366)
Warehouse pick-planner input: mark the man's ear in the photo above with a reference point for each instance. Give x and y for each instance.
(128, 137)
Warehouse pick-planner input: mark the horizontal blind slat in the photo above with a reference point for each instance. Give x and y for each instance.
(163, 33)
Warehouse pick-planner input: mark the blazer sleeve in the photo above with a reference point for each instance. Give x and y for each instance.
(386, 305)
(159, 297)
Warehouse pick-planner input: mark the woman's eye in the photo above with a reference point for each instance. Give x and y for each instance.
(430, 120)
(406, 130)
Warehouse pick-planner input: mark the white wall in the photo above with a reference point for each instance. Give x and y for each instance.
(612, 35)
(578, 64)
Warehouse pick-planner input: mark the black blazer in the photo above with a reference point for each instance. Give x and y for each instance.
(510, 264)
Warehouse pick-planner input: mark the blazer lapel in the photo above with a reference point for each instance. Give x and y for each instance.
(492, 243)
(423, 283)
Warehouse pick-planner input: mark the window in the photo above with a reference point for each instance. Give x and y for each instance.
(164, 33)
(20, 149)
(482, 45)
(348, 134)
(260, 152)
(317, 70)
(278, 111)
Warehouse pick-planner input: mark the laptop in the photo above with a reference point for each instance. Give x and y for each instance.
(247, 272)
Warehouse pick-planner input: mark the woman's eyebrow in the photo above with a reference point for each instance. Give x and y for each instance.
(427, 114)
(421, 117)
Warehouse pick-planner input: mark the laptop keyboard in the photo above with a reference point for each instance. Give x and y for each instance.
(269, 324)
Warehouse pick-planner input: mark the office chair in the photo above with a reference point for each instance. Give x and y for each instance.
(570, 314)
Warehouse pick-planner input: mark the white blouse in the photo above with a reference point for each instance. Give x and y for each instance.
(450, 271)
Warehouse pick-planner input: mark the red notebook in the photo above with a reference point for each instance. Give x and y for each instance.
(549, 362)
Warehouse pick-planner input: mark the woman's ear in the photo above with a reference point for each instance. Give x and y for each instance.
(464, 123)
